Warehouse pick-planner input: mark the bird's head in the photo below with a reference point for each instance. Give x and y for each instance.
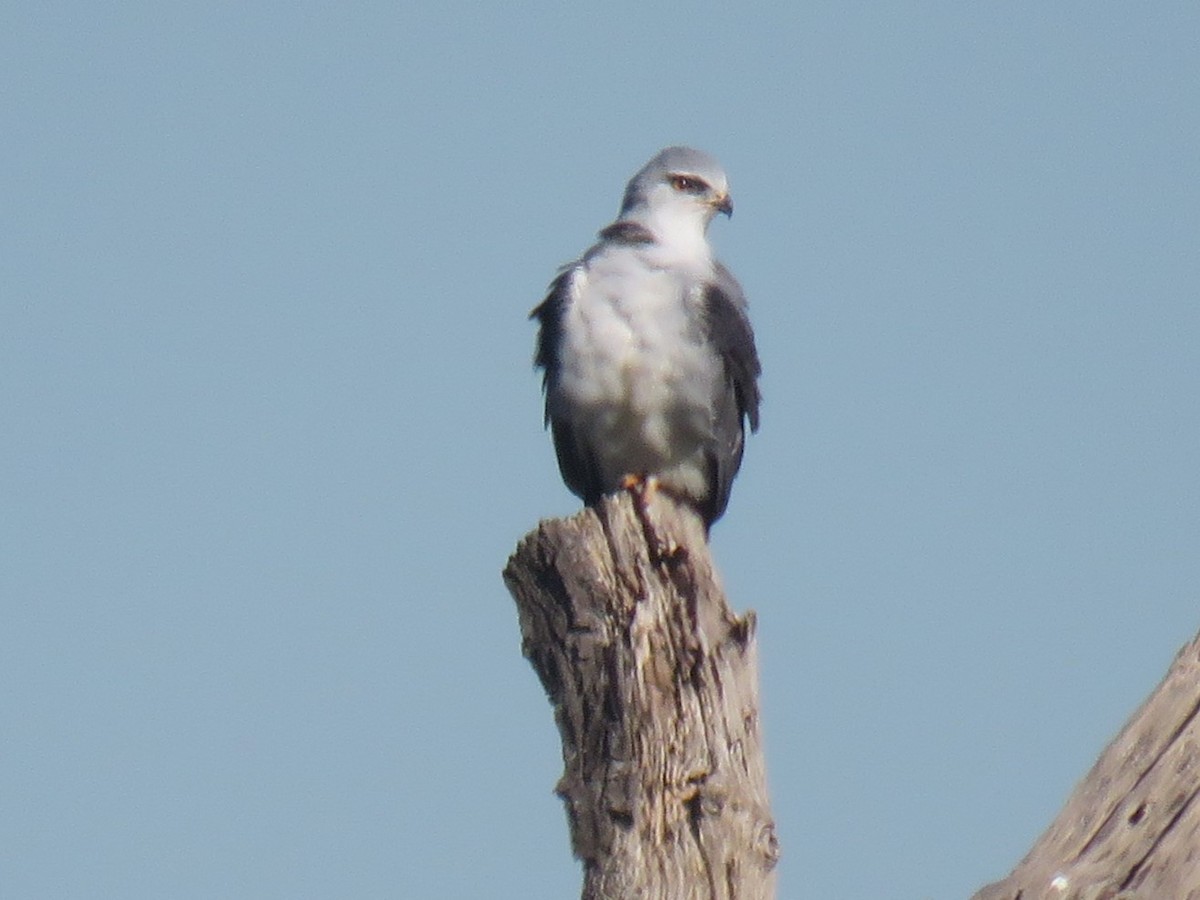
(677, 192)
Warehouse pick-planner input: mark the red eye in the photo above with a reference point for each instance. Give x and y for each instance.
(688, 185)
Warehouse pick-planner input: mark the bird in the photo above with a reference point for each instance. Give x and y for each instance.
(650, 368)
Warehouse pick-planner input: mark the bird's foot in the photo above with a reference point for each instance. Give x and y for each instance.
(643, 488)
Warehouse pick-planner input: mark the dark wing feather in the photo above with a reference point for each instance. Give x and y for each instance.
(575, 460)
(623, 232)
(549, 314)
(731, 337)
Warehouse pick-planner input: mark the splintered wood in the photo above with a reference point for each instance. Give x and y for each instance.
(1131, 829)
(654, 686)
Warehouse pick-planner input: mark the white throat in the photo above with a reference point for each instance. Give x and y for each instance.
(679, 231)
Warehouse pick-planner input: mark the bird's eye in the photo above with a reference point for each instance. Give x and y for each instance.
(688, 185)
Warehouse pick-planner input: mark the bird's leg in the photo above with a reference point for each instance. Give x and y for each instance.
(643, 488)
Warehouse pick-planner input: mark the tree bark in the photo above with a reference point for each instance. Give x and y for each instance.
(654, 686)
(1131, 829)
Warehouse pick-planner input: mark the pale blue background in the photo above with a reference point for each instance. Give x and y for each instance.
(271, 430)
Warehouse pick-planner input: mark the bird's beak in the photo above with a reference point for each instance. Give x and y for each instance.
(723, 204)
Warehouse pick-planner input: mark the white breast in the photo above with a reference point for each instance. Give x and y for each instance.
(636, 376)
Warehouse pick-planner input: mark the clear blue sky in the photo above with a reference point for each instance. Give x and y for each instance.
(271, 428)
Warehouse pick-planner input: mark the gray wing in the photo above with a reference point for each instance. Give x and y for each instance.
(729, 334)
(575, 460)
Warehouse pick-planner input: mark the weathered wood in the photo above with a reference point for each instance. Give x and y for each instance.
(654, 686)
(1131, 829)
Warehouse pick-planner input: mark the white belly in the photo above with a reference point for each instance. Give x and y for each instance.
(636, 376)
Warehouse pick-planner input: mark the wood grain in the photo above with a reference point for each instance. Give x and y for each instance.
(1131, 829)
(654, 685)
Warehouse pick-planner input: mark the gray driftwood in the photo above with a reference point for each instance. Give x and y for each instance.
(1131, 829)
(655, 691)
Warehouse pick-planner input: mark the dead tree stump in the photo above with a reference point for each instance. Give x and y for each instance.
(1131, 829)
(654, 685)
